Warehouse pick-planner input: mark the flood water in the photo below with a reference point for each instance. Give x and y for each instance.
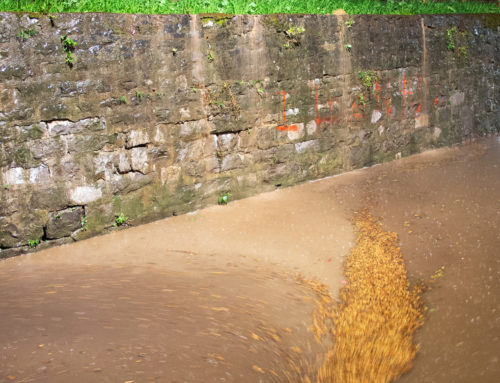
(213, 296)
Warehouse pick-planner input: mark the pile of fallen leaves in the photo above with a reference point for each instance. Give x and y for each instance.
(377, 315)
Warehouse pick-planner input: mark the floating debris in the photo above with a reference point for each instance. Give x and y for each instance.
(378, 314)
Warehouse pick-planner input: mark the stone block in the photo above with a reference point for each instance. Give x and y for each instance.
(40, 175)
(124, 163)
(139, 160)
(14, 176)
(130, 182)
(137, 137)
(232, 161)
(457, 98)
(82, 195)
(59, 127)
(64, 222)
(307, 146)
(20, 227)
(422, 121)
(49, 198)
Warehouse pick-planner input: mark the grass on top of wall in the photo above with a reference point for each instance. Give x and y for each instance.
(410, 7)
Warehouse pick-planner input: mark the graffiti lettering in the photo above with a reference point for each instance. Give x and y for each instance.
(285, 126)
(382, 98)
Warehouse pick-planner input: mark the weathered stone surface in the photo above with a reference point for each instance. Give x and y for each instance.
(63, 127)
(83, 195)
(14, 176)
(133, 127)
(21, 227)
(137, 138)
(51, 198)
(232, 161)
(307, 146)
(39, 175)
(124, 184)
(139, 160)
(64, 222)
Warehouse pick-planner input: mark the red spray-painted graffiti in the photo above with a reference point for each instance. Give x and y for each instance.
(319, 119)
(355, 112)
(405, 94)
(382, 98)
(285, 126)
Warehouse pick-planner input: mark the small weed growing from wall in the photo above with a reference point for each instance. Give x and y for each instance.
(348, 47)
(68, 46)
(6, 186)
(210, 56)
(293, 33)
(362, 100)
(139, 94)
(367, 78)
(349, 23)
(85, 224)
(463, 52)
(450, 38)
(120, 220)
(456, 41)
(123, 100)
(25, 34)
(224, 198)
(33, 242)
(224, 99)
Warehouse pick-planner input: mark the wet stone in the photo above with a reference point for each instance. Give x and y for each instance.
(17, 229)
(52, 198)
(64, 222)
(130, 182)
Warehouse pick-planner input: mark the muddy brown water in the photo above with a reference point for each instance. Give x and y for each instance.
(212, 296)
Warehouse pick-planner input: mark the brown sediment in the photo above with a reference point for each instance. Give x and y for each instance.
(377, 315)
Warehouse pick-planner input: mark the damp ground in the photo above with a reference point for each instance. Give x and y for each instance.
(215, 296)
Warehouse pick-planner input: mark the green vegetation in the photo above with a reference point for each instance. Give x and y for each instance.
(367, 78)
(294, 31)
(457, 41)
(251, 6)
(123, 100)
(450, 38)
(68, 46)
(33, 242)
(210, 56)
(224, 99)
(25, 34)
(224, 198)
(120, 220)
(6, 186)
(348, 47)
(362, 100)
(85, 223)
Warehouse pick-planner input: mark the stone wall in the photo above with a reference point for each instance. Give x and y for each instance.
(152, 116)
